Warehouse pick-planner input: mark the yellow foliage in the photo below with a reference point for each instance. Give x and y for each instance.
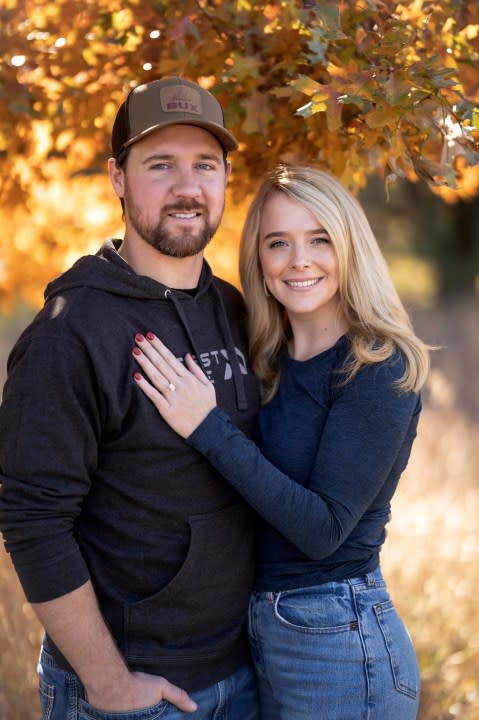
(64, 140)
(271, 11)
(467, 186)
(359, 88)
(68, 217)
(122, 19)
(41, 141)
(65, 218)
(471, 32)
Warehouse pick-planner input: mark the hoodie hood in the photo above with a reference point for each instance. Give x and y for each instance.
(109, 273)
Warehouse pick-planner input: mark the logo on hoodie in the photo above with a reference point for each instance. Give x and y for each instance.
(218, 360)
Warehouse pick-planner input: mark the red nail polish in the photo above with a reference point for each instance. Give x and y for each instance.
(136, 351)
(137, 377)
(139, 337)
(150, 336)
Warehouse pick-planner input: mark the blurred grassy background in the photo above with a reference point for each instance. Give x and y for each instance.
(431, 557)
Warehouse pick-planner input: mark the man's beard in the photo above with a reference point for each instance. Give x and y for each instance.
(180, 244)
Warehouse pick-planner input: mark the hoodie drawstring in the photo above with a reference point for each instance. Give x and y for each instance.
(240, 393)
(241, 401)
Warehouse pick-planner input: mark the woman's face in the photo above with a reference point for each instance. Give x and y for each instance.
(299, 263)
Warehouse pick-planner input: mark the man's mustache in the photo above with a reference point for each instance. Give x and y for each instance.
(184, 207)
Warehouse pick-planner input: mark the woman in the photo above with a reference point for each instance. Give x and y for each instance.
(341, 371)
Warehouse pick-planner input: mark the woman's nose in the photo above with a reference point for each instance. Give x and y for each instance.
(299, 258)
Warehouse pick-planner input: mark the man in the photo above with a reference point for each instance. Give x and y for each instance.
(136, 556)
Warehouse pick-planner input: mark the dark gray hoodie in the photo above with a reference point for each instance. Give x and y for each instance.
(96, 485)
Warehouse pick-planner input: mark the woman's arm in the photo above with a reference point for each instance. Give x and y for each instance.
(360, 444)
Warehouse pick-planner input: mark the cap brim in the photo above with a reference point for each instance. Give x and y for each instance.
(225, 138)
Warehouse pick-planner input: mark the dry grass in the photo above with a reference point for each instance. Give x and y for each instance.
(431, 558)
(431, 562)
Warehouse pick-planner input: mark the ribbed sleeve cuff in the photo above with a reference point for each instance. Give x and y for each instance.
(211, 432)
(42, 583)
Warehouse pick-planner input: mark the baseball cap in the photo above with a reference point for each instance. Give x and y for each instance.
(168, 101)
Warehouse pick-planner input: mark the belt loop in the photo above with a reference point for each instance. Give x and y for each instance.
(371, 580)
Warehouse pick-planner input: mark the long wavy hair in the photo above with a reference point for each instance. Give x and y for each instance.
(377, 322)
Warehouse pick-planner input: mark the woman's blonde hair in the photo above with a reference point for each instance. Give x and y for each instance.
(374, 313)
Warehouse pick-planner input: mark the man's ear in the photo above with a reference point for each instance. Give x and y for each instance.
(117, 177)
(227, 171)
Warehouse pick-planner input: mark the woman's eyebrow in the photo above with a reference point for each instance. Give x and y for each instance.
(281, 233)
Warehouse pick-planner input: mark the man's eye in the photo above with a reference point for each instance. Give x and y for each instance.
(206, 166)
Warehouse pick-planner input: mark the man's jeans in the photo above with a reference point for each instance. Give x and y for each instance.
(62, 698)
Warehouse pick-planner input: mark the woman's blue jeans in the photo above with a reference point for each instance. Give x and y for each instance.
(62, 698)
(337, 651)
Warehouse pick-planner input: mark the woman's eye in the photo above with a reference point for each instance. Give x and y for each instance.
(321, 239)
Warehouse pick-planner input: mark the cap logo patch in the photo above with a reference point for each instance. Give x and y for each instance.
(177, 98)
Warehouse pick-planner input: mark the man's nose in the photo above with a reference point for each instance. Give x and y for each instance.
(186, 183)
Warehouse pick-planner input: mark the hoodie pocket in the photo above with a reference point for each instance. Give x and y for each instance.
(206, 602)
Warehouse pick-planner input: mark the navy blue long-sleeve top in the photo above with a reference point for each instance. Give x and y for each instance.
(326, 464)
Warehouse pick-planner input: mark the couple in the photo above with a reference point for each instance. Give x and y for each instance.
(131, 487)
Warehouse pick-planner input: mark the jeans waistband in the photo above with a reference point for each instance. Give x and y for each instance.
(369, 580)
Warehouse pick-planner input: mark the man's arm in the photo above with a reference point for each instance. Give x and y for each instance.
(76, 626)
(49, 434)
